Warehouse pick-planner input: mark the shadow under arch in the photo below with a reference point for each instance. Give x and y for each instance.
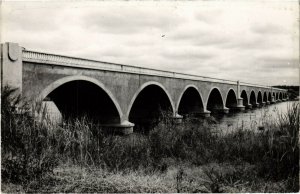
(252, 98)
(265, 97)
(92, 83)
(215, 102)
(280, 96)
(245, 98)
(231, 99)
(259, 97)
(190, 101)
(148, 105)
(269, 97)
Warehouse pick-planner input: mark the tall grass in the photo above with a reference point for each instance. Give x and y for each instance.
(27, 149)
(32, 149)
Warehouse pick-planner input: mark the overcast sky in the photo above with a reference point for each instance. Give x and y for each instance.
(255, 42)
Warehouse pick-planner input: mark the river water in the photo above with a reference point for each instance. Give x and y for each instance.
(251, 119)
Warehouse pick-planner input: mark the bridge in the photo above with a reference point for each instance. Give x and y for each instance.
(123, 96)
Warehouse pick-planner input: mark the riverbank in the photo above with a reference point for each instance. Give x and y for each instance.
(184, 178)
(190, 157)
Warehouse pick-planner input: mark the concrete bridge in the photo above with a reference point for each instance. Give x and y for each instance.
(120, 95)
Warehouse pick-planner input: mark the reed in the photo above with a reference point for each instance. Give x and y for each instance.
(31, 150)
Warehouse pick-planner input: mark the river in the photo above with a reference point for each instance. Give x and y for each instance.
(253, 118)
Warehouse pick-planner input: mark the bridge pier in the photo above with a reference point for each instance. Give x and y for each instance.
(204, 113)
(273, 101)
(240, 106)
(124, 128)
(256, 105)
(263, 103)
(268, 102)
(249, 106)
(225, 110)
(177, 118)
(48, 112)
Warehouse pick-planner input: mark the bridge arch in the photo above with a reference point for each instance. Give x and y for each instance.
(190, 101)
(147, 104)
(259, 97)
(280, 95)
(253, 98)
(276, 97)
(215, 102)
(245, 98)
(265, 98)
(269, 97)
(52, 91)
(231, 99)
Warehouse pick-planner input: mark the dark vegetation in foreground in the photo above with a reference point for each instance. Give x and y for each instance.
(79, 157)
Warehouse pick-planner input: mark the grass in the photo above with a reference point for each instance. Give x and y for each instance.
(191, 157)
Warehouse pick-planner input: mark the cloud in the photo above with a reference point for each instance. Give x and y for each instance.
(123, 20)
(252, 42)
(263, 28)
(280, 64)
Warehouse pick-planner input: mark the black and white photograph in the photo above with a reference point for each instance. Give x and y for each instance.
(153, 96)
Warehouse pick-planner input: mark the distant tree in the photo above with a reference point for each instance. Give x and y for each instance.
(293, 91)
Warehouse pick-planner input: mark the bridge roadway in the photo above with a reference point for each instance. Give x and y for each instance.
(121, 96)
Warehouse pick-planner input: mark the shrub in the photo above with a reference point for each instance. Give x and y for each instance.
(26, 146)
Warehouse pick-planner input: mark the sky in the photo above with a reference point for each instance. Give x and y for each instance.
(250, 41)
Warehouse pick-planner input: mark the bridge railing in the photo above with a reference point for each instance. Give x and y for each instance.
(60, 60)
(260, 86)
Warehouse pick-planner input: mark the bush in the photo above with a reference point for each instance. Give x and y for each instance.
(31, 149)
(26, 148)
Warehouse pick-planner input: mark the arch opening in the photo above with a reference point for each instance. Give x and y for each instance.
(280, 96)
(259, 98)
(215, 102)
(269, 97)
(149, 107)
(276, 97)
(265, 98)
(245, 98)
(231, 100)
(252, 99)
(80, 98)
(190, 103)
